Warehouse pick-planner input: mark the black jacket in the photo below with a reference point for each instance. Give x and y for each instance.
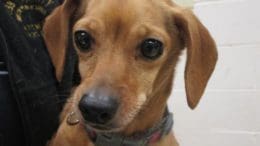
(30, 97)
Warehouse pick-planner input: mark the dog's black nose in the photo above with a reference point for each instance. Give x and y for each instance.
(98, 107)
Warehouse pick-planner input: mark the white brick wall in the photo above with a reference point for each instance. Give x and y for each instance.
(229, 113)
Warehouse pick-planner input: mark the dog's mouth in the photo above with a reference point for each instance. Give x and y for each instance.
(101, 128)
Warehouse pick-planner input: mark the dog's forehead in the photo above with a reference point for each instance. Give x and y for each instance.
(117, 19)
(125, 12)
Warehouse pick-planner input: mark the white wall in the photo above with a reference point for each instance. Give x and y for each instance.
(229, 112)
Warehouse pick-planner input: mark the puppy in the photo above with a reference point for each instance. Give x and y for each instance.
(127, 50)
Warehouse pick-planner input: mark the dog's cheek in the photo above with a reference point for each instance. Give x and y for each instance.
(137, 96)
(133, 99)
(86, 68)
(147, 81)
(83, 70)
(130, 107)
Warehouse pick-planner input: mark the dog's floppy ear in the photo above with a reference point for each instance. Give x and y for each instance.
(201, 54)
(56, 31)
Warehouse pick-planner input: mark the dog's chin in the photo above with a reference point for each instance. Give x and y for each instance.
(111, 127)
(103, 128)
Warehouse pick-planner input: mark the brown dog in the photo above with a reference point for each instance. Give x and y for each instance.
(128, 50)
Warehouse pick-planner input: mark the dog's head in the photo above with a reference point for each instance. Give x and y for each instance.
(127, 54)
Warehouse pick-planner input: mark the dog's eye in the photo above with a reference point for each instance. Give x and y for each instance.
(83, 40)
(151, 49)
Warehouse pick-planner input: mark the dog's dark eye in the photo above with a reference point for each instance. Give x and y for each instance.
(151, 49)
(83, 40)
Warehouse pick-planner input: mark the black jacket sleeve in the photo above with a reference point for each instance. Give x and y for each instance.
(29, 93)
(10, 124)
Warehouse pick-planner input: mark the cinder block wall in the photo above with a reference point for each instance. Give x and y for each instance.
(229, 112)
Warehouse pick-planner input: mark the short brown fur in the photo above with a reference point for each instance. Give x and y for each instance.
(118, 28)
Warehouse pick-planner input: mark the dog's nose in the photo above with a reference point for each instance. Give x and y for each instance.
(98, 107)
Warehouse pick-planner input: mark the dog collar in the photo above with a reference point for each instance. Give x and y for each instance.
(150, 136)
